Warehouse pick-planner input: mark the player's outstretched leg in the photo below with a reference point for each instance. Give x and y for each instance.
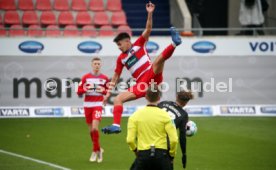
(158, 64)
(175, 36)
(117, 112)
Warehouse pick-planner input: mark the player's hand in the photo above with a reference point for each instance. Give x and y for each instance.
(106, 98)
(171, 158)
(89, 87)
(110, 87)
(150, 7)
(100, 89)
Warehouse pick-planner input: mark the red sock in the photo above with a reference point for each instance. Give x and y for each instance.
(91, 136)
(167, 53)
(117, 114)
(96, 142)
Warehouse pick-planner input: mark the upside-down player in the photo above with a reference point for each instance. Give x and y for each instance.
(94, 86)
(135, 58)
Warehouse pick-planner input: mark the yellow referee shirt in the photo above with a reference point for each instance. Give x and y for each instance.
(150, 126)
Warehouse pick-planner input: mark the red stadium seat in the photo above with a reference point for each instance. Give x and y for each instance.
(118, 18)
(79, 5)
(30, 18)
(53, 31)
(83, 18)
(11, 17)
(61, 5)
(48, 18)
(3, 31)
(124, 28)
(89, 31)
(96, 5)
(71, 30)
(26, 4)
(101, 18)
(66, 18)
(35, 31)
(7, 4)
(1, 19)
(43, 5)
(114, 5)
(106, 30)
(17, 30)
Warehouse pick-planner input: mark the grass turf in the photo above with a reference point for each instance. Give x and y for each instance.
(239, 143)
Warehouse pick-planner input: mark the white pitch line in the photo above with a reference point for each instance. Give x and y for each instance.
(34, 160)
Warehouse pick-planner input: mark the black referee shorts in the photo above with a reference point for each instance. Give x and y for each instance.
(160, 161)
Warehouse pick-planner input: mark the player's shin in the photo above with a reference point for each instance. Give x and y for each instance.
(168, 51)
(117, 113)
(96, 143)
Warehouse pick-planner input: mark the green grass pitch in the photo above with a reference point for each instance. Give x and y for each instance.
(222, 143)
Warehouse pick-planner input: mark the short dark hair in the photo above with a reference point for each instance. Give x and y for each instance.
(184, 96)
(121, 36)
(153, 93)
(96, 59)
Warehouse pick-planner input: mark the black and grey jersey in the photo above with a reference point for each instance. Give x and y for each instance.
(180, 117)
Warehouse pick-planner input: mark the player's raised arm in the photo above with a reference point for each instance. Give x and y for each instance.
(150, 8)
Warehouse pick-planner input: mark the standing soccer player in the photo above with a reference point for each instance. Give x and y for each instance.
(180, 118)
(135, 58)
(94, 86)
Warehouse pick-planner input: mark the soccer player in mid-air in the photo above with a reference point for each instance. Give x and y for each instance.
(94, 86)
(135, 58)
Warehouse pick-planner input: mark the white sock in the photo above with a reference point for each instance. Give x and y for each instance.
(173, 44)
(116, 125)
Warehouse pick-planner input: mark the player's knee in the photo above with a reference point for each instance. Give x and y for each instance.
(117, 100)
(94, 129)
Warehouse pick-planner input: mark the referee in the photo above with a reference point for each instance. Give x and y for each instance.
(147, 134)
(180, 117)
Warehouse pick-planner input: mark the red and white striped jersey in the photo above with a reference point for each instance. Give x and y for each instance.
(92, 98)
(136, 60)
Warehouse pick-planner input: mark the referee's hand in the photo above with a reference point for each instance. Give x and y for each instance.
(171, 159)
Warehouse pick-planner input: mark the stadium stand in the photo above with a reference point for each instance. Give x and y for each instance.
(30, 18)
(35, 31)
(48, 18)
(71, 31)
(61, 5)
(114, 5)
(124, 28)
(3, 32)
(7, 5)
(43, 13)
(101, 18)
(118, 18)
(89, 31)
(106, 30)
(11, 17)
(43, 5)
(135, 12)
(53, 31)
(84, 18)
(1, 19)
(96, 5)
(25, 5)
(79, 5)
(65, 18)
(17, 30)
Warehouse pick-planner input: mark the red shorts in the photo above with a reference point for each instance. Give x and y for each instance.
(93, 113)
(140, 88)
